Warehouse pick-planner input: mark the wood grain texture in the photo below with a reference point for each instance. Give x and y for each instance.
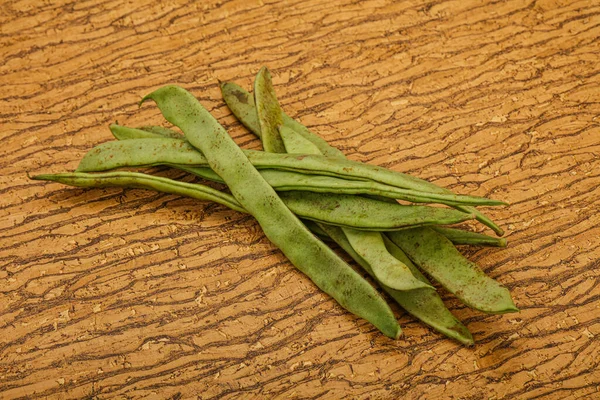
(131, 294)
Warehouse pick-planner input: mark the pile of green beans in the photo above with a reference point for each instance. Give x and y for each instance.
(305, 193)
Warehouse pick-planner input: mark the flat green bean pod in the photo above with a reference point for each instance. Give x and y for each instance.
(280, 180)
(388, 270)
(121, 132)
(437, 256)
(307, 253)
(459, 236)
(145, 132)
(424, 304)
(241, 104)
(347, 210)
(143, 181)
(157, 151)
(313, 208)
(268, 112)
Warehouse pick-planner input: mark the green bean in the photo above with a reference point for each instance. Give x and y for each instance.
(376, 189)
(293, 141)
(481, 217)
(437, 256)
(125, 133)
(146, 132)
(356, 212)
(156, 151)
(424, 304)
(373, 215)
(162, 131)
(121, 132)
(241, 104)
(459, 236)
(388, 270)
(143, 181)
(140, 152)
(313, 208)
(307, 253)
(268, 112)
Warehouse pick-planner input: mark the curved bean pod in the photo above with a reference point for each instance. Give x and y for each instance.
(388, 270)
(268, 112)
(241, 103)
(143, 181)
(308, 254)
(157, 151)
(145, 132)
(459, 236)
(313, 208)
(374, 215)
(437, 256)
(424, 304)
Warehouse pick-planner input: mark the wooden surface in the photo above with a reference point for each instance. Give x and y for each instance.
(132, 294)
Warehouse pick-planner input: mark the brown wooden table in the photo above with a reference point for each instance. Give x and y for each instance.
(112, 293)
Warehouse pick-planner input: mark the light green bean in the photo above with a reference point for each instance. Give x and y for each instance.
(459, 236)
(145, 132)
(306, 252)
(241, 103)
(268, 112)
(348, 213)
(424, 304)
(437, 256)
(156, 151)
(388, 270)
(143, 181)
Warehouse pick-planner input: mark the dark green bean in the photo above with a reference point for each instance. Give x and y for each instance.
(459, 236)
(437, 256)
(143, 181)
(241, 103)
(268, 112)
(347, 210)
(306, 252)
